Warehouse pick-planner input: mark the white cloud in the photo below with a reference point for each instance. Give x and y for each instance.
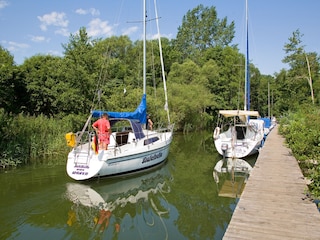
(99, 28)
(54, 19)
(3, 4)
(38, 39)
(92, 11)
(155, 36)
(81, 11)
(14, 46)
(63, 31)
(129, 31)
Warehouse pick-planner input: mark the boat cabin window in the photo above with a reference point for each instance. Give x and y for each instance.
(150, 140)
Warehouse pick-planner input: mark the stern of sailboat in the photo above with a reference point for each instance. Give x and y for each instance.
(83, 160)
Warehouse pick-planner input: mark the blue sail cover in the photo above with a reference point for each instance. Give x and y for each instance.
(139, 114)
(267, 122)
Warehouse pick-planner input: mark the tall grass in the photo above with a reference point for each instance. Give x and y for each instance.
(25, 139)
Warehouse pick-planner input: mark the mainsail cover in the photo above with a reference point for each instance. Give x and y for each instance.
(139, 114)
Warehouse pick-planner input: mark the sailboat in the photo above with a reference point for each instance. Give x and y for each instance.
(132, 147)
(237, 134)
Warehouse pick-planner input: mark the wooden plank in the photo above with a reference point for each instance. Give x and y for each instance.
(273, 204)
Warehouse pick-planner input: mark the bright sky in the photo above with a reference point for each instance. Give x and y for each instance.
(30, 27)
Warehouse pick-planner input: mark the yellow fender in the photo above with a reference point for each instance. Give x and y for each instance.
(71, 139)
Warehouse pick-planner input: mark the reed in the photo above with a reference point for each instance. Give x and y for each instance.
(27, 139)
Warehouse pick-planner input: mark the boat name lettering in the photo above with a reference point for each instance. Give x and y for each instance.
(81, 166)
(80, 170)
(152, 157)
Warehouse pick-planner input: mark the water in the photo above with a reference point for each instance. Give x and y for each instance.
(178, 200)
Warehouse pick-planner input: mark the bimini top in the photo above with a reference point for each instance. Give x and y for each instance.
(135, 126)
(139, 114)
(234, 113)
(242, 114)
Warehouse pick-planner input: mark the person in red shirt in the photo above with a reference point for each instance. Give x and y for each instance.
(102, 127)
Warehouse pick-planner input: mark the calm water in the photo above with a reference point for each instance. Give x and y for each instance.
(178, 200)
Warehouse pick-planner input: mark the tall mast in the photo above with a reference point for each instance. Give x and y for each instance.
(144, 46)
(247, 69)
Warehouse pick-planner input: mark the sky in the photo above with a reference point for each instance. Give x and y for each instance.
(31, 27)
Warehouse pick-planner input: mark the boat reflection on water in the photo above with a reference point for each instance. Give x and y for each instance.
(231, 175)
(112, 204)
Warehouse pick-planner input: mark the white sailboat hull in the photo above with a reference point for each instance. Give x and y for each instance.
(241, 149)
(83, 163)
(235, 144)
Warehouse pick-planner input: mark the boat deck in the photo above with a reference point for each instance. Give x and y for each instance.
(273, 204)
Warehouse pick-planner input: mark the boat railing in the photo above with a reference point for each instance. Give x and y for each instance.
(119, 137)
(83, 137)
(85, 141)
(163, 130)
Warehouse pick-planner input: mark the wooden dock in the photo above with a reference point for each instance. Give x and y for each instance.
(273, 204)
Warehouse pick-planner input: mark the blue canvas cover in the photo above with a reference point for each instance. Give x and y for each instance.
(267, 122)
(139, 114)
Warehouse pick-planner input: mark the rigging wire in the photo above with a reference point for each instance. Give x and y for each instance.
(166, 107)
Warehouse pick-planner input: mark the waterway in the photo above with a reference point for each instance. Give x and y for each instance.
(178, 200)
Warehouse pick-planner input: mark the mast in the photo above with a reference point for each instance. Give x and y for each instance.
(247, 68)
(269, 114)
(144, 46)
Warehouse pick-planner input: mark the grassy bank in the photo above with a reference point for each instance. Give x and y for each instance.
(27, 138)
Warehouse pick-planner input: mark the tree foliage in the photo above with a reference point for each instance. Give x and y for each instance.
(213, 70)
(202, 29)
(6, 78)
(303, 72)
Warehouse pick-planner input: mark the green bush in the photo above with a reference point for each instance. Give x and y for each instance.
(302, 132)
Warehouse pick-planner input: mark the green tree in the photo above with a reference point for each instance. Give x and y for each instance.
(304, 67)
(82, 70)
(189, 96)
(266, 95)
(201, 29)
(7, 83)
(226, 81)
(42, 77)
